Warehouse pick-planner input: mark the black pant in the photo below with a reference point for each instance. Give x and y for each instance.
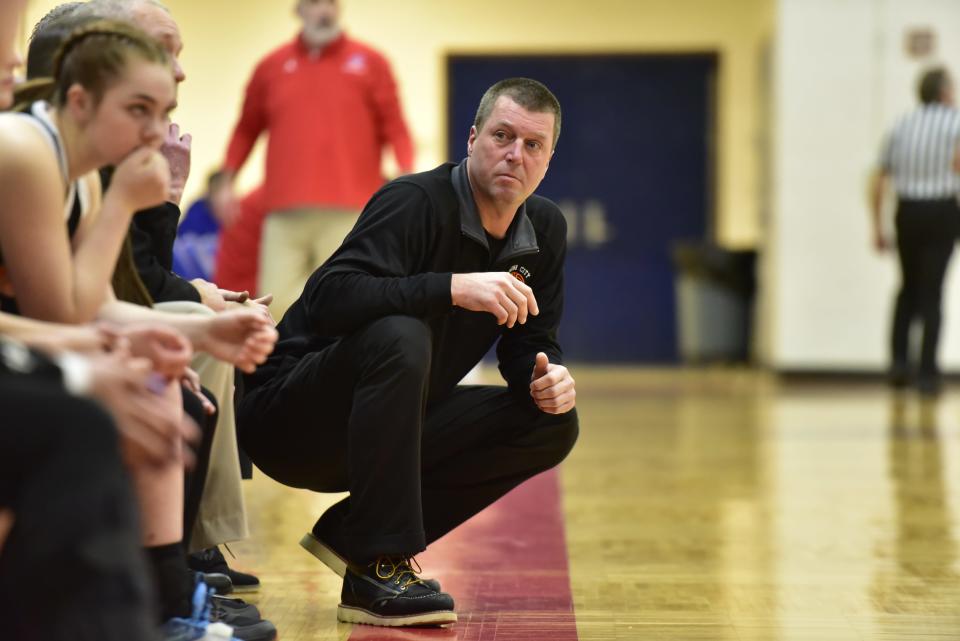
(355, 417)
(926, 232)
(72, 566)
(194, 479)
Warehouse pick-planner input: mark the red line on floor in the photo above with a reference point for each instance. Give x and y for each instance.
(507, 570)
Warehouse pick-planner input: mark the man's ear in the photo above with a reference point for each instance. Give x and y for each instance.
(471, 139)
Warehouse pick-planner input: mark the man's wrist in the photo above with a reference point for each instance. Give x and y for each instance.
(201, 291)
(440, 290)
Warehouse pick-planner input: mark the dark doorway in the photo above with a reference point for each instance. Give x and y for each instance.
(633, 173)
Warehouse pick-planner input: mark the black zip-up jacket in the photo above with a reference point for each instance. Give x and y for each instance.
(413, 234)
(153, 232)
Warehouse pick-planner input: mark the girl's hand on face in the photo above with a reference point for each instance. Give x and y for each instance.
(141, 180)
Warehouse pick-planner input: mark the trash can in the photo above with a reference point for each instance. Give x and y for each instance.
(714, 293)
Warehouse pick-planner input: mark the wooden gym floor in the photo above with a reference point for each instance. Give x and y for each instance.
(711, 504)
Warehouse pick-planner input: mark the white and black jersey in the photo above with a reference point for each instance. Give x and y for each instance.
(77, 202)
(919, 153)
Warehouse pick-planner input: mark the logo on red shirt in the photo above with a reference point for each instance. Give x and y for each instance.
(357, 63)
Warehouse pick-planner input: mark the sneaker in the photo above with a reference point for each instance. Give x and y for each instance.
(220, 583)
(387, 592)
(327, 555)
(183, 630)
(243, 617)
(198, 626)
(260, 631)
(236, 605)
(234, 612)
(211, 561)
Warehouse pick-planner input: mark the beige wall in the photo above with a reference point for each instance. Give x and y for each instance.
(224, 39)
(843, 76)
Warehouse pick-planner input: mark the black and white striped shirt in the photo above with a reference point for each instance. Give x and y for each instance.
(919, 153)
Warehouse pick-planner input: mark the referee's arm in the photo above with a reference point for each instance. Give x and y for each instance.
(878, 188)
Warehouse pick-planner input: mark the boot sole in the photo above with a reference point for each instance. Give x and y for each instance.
(337, 563)
(324, 554)
(349, 614)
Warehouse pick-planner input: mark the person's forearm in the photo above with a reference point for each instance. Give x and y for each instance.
(49, 337)
(94, 260)
(877, 188)
(19, 327)
(241, 143)
(403, 152)
(123, 313)
(152, 235)
(33, 332)
(345, 301)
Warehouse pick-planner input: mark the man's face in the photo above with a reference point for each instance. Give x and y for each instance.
(321, 20)
(160, 25)
(509, 156)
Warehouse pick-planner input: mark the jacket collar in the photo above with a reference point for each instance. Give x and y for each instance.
(521, 236)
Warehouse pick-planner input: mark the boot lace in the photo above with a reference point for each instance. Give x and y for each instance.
(403, 570)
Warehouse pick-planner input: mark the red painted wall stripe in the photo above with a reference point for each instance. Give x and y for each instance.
(507, 570)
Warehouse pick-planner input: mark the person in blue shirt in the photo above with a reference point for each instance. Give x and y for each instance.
(198, 236)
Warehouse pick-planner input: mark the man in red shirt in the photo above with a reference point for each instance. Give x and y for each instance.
(329, 104)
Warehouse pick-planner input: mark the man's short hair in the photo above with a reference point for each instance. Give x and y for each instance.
(529, 94)
(62, 20)
(49, 34)
(124, 10)
(933, 82)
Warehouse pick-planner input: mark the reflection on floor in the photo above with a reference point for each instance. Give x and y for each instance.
(714, 504)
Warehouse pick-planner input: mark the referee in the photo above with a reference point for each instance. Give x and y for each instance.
(921, 155)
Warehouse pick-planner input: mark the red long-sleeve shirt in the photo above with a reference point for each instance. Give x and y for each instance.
(328, 115)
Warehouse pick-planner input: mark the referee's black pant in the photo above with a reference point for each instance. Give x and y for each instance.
(356, 417)
(72, 566)
(926, 232)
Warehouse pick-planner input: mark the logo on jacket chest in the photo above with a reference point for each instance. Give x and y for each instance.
(520, 272)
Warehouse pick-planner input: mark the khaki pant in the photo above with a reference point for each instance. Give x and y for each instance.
(295, 242)
(223, 515)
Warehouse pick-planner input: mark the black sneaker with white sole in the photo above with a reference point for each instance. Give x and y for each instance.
(387, 592)
(321, 548)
